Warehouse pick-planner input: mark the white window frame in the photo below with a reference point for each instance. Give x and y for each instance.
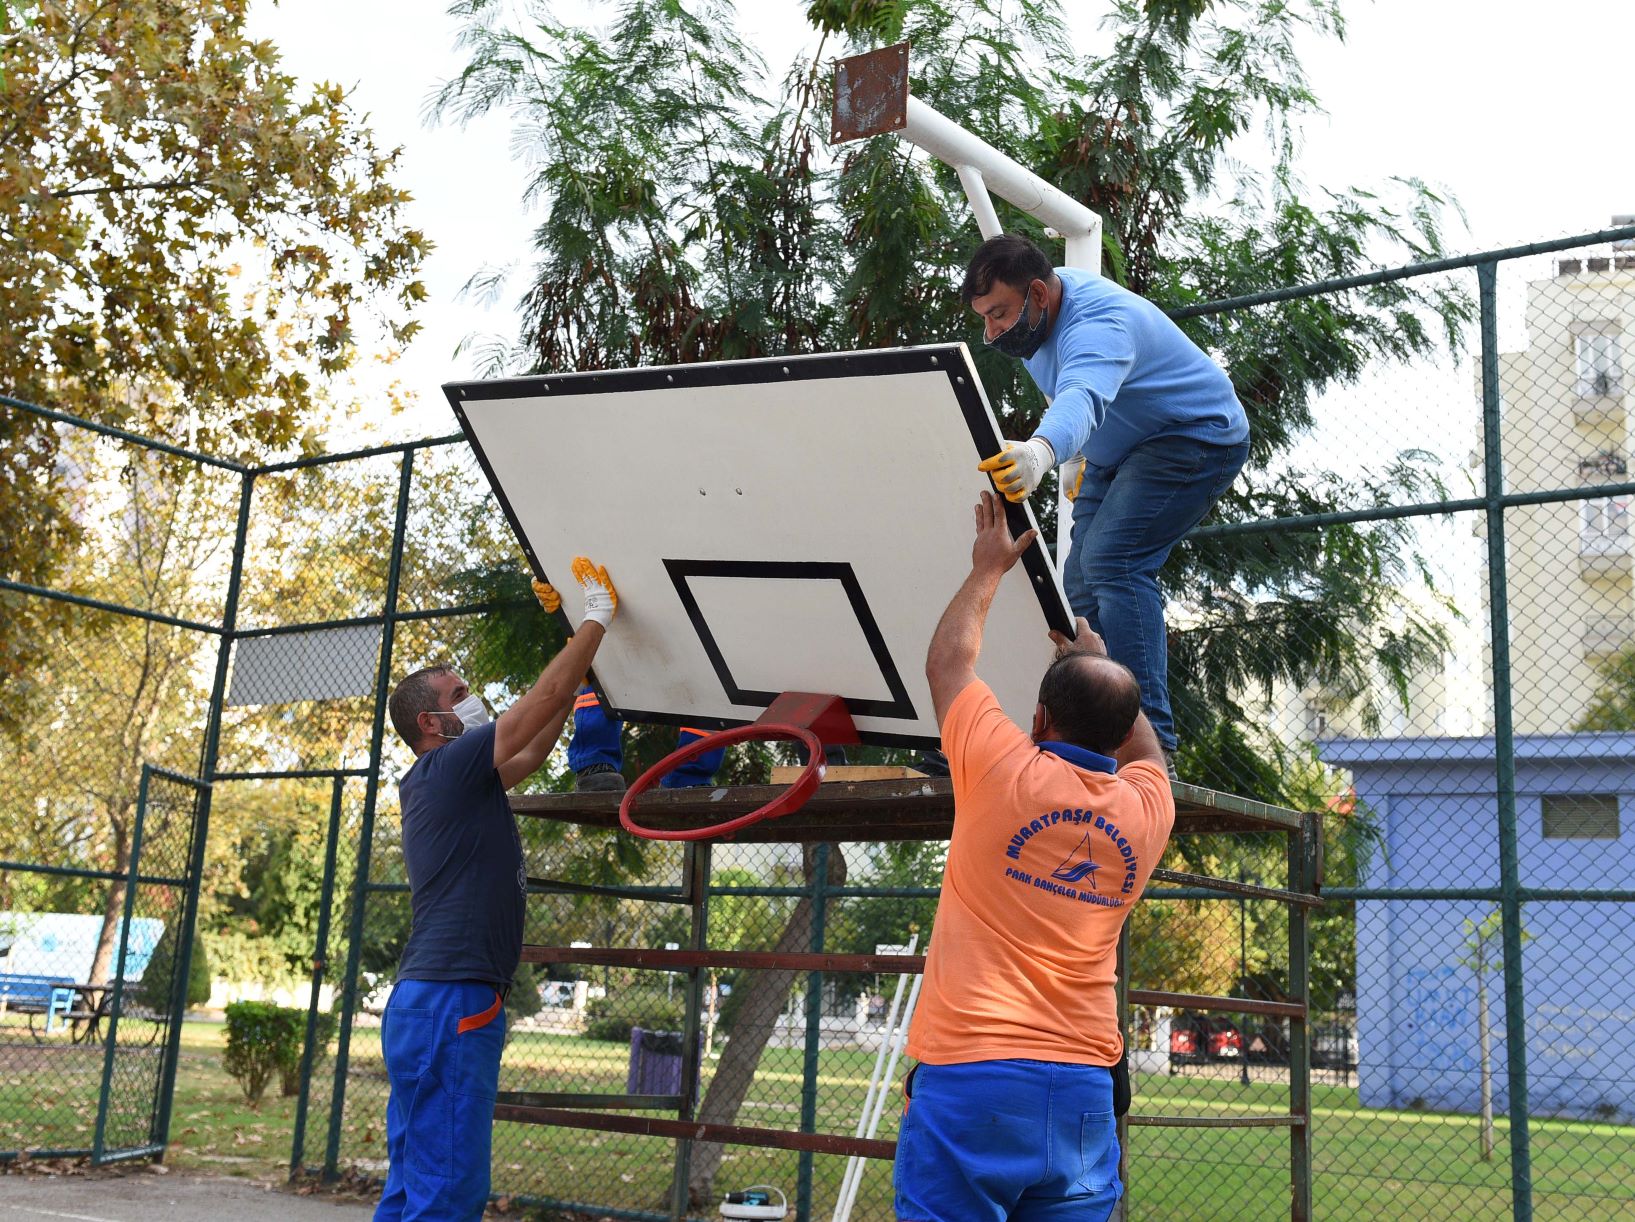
(1603, 525)
(1598, 361)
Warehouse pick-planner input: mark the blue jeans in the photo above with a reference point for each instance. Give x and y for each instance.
(1125, 521)
(442, 1042)
(599, 739)
(1008, 1141)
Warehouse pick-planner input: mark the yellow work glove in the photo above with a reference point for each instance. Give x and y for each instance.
(1018, 468)
(601, 599)
(1072, 477)
(547, 595)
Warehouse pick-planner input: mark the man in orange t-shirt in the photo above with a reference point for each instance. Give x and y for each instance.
(1055, 834)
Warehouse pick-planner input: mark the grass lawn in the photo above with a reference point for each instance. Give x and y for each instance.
(1369, 1164)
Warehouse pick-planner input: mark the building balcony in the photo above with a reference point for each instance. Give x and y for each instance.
(1605, 635)
(1596, 402)
(1595, 265)
(1602, 555)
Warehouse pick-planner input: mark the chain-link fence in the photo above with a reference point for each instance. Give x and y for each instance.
(1415, 614)
(105, 727)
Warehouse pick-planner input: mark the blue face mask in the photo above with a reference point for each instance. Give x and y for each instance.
(1022, 339)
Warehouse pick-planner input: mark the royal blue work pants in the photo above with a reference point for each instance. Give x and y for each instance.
(1125, 522)
(442, 1041)
(597, 739)
(1008, 1141)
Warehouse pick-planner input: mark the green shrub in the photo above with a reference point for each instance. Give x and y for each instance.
(612, 1017)
(261, 1040)
(523, 1000)
(290, 1070)
(153, 990)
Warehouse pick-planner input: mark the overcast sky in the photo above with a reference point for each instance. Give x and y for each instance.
(1524, 118)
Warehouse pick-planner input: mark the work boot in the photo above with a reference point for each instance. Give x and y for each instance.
(599, 778)
(1169, 763)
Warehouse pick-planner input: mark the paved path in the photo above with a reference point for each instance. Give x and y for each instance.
(141, 1196)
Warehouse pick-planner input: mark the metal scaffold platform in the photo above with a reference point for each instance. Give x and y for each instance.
(920, 809)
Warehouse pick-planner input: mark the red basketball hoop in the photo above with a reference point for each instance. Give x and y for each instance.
(811, 720)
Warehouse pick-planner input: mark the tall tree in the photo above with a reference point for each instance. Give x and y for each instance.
(1612, 707)
(190, 243)
(113, 693)
(691, 210)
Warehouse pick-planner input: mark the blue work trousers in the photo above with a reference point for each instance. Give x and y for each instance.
(1125, 521)
(598, 739)
(442, 1041)
(1008, 1141)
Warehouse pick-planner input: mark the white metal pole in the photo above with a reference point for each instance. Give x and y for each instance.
(987, 220)
(849, 1195)
(1008, 179)
(854, 1165)
(1083, 251)
(980, 167)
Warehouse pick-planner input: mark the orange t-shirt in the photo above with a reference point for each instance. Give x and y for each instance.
(1046, 861)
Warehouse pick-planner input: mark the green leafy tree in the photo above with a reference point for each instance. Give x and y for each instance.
(1612, 707)
(863, 924)
(692, 210)
(191, 243)
(111, 694)
(1483, 954)
(159, 977)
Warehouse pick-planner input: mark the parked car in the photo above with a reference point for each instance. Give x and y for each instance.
(1222, 1040)
(1186, 1040)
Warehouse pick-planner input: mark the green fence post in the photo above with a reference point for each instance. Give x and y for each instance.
(814, 1031)
(119, 969)
(692, 1069)
(1504, 748)
(1303, 855)
(366, 827)
(320, 961)
(201, 816)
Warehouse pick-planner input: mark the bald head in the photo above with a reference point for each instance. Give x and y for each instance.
(1089, 700)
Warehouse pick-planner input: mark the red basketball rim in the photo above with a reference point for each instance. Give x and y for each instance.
(790, 800)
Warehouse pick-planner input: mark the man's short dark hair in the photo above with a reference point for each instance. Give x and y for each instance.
(1008, 259)
(413, 696)
(1092, 701)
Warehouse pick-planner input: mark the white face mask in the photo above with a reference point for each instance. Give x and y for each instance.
(471, 711)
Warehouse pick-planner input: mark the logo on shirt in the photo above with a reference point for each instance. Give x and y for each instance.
(1067, 879)
(1078, 865)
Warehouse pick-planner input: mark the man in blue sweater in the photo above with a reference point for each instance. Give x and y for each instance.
(1146, 427)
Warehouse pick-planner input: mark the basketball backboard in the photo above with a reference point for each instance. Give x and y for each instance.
(788, 524)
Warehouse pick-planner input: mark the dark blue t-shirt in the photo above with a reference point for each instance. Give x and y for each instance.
(467, 882)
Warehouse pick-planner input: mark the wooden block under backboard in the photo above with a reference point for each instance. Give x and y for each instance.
(788, 774)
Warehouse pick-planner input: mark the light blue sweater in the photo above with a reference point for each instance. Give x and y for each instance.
(1119, 372)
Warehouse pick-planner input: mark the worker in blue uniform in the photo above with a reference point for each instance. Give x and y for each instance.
(596, 751)
(444, 1024)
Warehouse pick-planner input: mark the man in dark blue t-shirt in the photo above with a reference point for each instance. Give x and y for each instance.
(445, 1023)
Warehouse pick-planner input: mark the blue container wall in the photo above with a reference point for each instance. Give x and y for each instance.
(1417, 984)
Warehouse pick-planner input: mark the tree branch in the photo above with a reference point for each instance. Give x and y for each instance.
(166, 184)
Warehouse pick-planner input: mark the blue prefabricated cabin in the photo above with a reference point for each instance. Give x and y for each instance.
(1418, 977)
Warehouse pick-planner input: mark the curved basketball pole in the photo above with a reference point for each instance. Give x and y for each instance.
(804, 717)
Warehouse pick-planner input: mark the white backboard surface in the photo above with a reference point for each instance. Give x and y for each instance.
(792, 524)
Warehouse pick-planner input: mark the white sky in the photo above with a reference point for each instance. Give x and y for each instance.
(1519, 111)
